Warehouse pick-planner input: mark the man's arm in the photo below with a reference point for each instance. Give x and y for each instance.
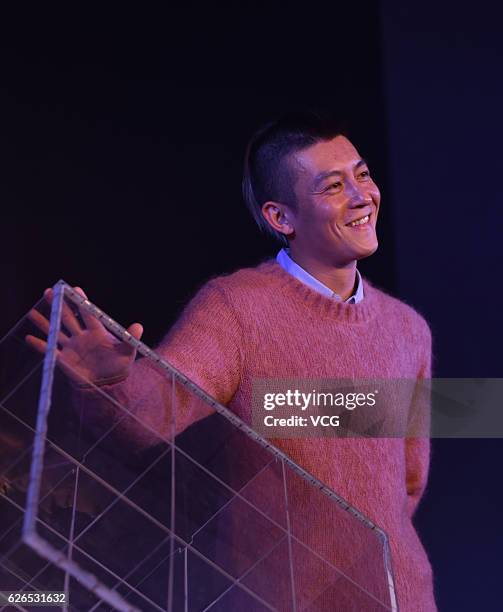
(204, 344)
(417, 449)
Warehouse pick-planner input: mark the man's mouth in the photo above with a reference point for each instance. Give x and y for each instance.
(360, 221)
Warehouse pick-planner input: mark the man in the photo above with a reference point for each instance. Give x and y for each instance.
(306, 314)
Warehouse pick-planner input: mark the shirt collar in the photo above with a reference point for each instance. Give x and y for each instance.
(287, 263)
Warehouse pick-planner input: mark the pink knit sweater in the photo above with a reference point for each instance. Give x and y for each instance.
(262, 322)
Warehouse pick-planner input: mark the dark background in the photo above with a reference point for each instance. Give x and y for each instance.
(122, 143)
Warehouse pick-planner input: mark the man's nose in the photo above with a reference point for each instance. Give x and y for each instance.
(356, 193)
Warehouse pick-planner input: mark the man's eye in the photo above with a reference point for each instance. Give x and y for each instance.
(365, 174)
(334, 185)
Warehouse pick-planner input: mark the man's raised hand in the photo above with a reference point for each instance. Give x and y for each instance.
(89, 354)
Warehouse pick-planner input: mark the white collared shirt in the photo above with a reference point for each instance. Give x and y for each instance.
(287, 263)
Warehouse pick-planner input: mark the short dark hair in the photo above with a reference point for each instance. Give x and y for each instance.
(267, 173)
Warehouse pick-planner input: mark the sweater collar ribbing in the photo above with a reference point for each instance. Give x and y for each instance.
(321, 304)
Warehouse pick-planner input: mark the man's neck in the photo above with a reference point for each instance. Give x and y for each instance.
(341, 280)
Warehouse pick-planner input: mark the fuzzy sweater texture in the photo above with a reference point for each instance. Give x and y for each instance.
(262, 322)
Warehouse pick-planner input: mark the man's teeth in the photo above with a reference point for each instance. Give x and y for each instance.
(360, 221)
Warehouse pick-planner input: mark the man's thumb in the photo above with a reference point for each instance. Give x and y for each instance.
(136, 330)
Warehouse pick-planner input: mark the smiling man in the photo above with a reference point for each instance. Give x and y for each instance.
(307, 184)
(329, 216)
(306, 314)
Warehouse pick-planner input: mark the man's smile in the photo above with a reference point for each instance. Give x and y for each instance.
(361, 222)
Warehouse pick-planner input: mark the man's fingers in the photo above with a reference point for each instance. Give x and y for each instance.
(136, 330)
(36, 343)
(39, 320)
(41, 346)
(68, 318)
(70, 321)
(43, 324)
(90, 321)
(80, 291)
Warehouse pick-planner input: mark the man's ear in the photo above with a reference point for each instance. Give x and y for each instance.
(279, 217)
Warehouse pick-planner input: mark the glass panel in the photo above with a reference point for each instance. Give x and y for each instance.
(18, 361)
(331, 544)
(155, 496)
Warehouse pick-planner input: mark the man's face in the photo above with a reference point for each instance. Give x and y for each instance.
(333, 190)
